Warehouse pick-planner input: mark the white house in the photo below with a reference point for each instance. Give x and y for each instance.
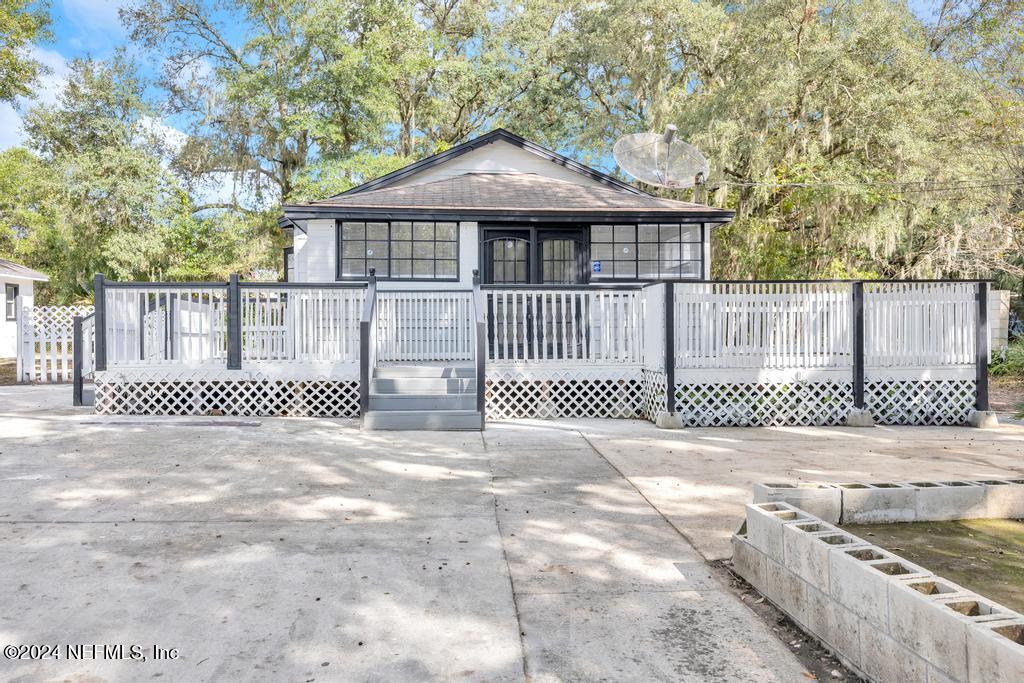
(17, 282)
(519, 213)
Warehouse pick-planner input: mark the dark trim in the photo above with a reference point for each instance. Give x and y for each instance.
(76, 360)
(573, 288)
(670, 348)
(367, 325)
(234, 323)
(161, 285)
(8, 287)
(99, 308)
(479, 308)
(981, 350)
(286, 252)
(363, 278)
(498, 134)
(505, 215)
(302, 285)
(858, 345)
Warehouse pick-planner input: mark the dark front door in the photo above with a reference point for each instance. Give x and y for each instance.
(521, 256)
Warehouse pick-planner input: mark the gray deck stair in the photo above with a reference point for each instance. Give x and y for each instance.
(428, 397)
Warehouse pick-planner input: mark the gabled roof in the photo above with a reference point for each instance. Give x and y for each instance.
(12, 269)
(510, 192)
(487, 139)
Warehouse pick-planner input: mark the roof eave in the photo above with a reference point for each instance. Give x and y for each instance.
(307, 212)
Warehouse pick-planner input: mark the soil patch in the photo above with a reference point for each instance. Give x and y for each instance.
(983, 555)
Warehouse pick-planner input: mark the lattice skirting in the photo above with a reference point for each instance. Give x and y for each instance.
(757, 404)
(568, 393)
(241, 397)
(654, 393)
(936, 402)
(890, 401)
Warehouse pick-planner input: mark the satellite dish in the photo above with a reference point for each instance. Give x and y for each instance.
(659, 159)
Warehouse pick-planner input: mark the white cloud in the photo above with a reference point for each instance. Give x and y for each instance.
(96, 14)
(46, 91)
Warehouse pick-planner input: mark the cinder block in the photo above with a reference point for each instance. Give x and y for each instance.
(764, 526)
(878, 503)
(939, 501)
(886, 661)
(972, 608)
(749, 562)
(919, 621)
(995, 652)
(805, 549)
(788, 591)
(1003, 499)
(824, 501)
(833, 624)
(859, 580)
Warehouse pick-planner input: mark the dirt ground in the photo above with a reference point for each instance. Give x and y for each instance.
(1006, 395)
(7, 368)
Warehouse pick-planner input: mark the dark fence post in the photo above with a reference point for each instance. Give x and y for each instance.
(981, 350)
(480, 322)
(99, 306)
(366, 342)
(234, 323)
(670, 348)
(858, 345)
(76, 359)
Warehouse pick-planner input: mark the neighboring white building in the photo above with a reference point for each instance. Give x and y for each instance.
(16, 281)
(519, 213)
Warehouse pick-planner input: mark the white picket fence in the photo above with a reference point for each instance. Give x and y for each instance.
(45, 351)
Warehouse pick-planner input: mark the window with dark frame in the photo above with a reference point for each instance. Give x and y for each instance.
(11, 302)
(648, 251)
(399, 250)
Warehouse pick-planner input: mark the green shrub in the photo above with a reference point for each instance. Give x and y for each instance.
(1009, 363)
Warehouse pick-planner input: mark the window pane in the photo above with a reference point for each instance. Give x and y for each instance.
(376, 231)
(625, 233)
(601, 252)
(648, 269)
(691, 233)
(690, 269)
(600, 233)
(625, 252)
(377, 250)
(423, 268)
(691, 252)
(380, 264)
(351, 266)
(446, 250)
(648, 233)
(625, 269)
(669, 233)
(647, 252)
(401, 268)
(423, 231)
(446, 232)
(670, 252)
(521, 271)
(353, 231)
(401, 249)
(352, 248)
(423, 250)
(446, 268)
(401, 230)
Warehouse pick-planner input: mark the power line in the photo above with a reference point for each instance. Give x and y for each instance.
(903, 186)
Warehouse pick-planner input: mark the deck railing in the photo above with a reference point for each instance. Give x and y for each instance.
(422, 326)
(576, 325)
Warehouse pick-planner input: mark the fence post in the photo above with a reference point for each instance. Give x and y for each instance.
(670, 348)
(981, 350)
(76, 359)
(366, 342)
(21, 350)
(234, 323)
(100, 313)
(858, 345)
(480, 332)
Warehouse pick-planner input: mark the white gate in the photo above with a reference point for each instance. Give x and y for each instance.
(44, 342)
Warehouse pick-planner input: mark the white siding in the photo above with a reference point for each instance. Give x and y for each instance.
(9, 328)
(498, 156)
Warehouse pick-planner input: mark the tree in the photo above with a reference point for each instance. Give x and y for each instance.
(23, 23)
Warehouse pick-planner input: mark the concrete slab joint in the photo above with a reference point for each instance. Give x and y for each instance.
(886, 618)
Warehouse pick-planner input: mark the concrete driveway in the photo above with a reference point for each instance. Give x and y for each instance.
(303, 549)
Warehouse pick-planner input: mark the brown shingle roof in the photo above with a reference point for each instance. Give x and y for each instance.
(17, 270)
(508, 191)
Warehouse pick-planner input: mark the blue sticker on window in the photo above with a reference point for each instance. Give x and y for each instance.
(597, 266)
